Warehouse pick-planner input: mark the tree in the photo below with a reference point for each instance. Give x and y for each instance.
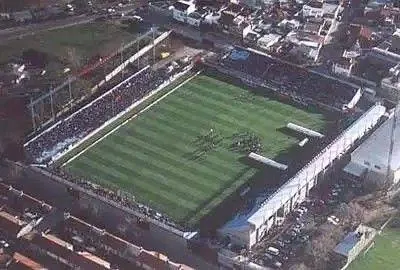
(351, 213)
(320, 247)
(343, 211)
(356, 213)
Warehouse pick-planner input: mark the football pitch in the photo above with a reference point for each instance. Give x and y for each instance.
(177, 157)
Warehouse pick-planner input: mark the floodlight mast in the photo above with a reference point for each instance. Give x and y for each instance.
(391, 145)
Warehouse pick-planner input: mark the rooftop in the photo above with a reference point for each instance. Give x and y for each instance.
(311, 27)
(54, 242)
(348, 243)
(195, 15)
(25, 262)
(375, 149)
(352, 239)
(181, 5)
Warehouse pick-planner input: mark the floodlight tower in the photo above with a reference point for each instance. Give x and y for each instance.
(391, 145)
(154, 48)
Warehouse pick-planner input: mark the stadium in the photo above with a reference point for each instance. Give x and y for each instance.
(211, 140)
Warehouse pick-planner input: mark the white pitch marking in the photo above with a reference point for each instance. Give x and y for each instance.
(133, 116)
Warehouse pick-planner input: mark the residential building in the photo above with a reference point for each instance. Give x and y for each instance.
(182, 9)
(266, 41)
(319, 9)
(196, 18)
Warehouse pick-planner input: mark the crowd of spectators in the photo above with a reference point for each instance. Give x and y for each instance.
(121, 199)
(288, 79)
(80, 124)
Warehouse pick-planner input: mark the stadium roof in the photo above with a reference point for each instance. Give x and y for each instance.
(375, 149)
(240, 221)
(355, 169)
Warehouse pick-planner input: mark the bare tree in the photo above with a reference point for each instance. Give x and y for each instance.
(321, 246)
(356, 213)
(343, 211)
(352, 213)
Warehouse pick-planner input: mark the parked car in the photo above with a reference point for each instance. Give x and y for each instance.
(280, 243)
(287, 239)
(277, 264)
(296, 230)
(273, 251)
(288, 252)
(334, 193)
(299, 225)
(333, 220)
(283, 257)
(332, 201)
(268, 257)
(304, 238)
(304, 209)
(292, 234)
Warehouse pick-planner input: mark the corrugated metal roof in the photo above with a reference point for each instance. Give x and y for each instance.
(9, 223)
(27, 262)
(375, 150)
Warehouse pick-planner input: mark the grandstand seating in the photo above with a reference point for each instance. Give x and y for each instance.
(289, 79)
(92, 116)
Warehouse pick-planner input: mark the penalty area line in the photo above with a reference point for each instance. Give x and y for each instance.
(133, 116)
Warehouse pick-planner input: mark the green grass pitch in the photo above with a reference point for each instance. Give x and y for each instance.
(383, 255)
(152, 156)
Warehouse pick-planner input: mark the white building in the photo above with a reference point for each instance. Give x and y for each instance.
(370, 159)
(212, 18)
(182, 9)
(194, 19)
(266, 41)
(290, 24)
(319, 9)
(312, 11)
